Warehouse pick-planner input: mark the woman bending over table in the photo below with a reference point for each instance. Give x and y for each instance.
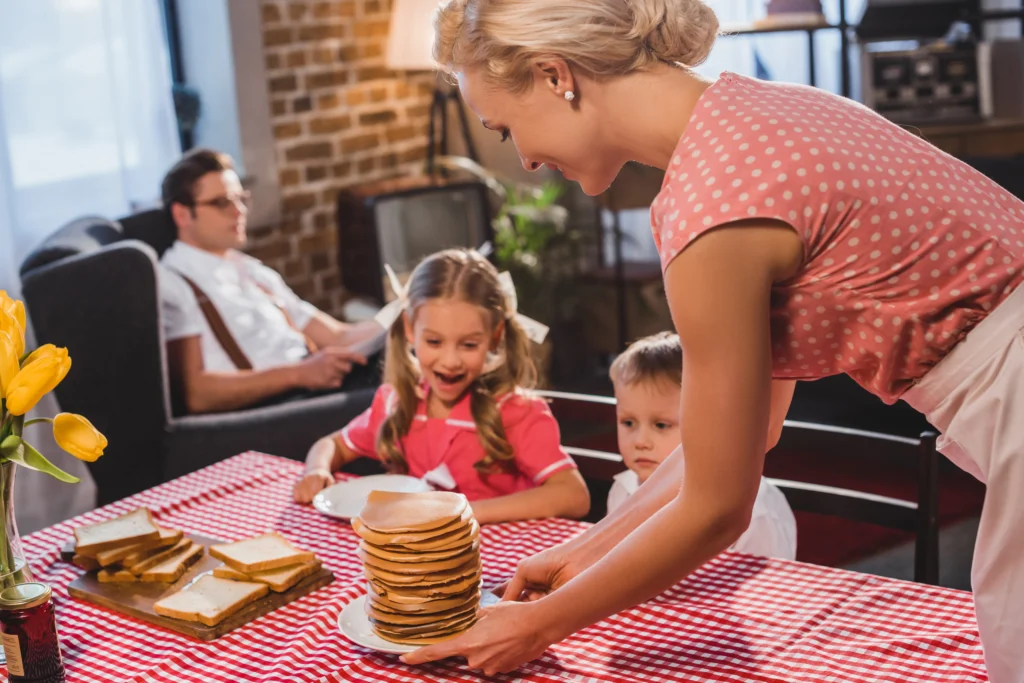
(801, 235)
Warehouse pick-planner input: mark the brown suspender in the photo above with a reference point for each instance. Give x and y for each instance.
(220, 329)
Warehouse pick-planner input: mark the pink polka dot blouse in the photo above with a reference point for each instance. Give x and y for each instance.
(906, 249)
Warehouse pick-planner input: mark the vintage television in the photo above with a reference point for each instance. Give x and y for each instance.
(400, 221)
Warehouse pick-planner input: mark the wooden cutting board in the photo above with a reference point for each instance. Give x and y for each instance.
(137, 599)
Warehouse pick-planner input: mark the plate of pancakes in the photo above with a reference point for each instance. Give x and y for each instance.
(345, 499)
(421, 559)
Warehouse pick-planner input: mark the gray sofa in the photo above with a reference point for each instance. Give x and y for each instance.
(92, 287)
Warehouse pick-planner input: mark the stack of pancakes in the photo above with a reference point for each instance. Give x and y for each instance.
(421, 556)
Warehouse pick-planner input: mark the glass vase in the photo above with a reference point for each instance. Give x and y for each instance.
(13, 565)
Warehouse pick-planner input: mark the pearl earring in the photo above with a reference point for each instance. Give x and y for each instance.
(570, 96)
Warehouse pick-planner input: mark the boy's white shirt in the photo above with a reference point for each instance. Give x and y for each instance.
(772, 530)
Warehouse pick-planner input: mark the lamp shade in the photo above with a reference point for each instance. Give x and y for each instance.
(412, 35)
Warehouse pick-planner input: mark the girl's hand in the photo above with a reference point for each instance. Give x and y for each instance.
(506, 636)
(312, 483)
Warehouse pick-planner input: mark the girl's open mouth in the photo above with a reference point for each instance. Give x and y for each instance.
(447, 380)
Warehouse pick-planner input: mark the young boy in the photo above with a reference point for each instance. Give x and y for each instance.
(647, 380)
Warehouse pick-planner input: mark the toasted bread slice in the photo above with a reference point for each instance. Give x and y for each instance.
(132, 527)
(116, 576)
(210, 600)
(85, 562)
(269, 551)
(155, 557)
(226, 572)
(167, 538)
(279, 580)
(174, 567)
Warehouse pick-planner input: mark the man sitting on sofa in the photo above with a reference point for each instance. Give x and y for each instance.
(236, 334)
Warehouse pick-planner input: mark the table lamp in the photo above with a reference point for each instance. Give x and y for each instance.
(409, 49)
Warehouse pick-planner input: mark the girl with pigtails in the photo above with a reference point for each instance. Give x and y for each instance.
(455, 408)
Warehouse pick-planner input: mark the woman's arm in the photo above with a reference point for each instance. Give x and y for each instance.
(719, 293)
(563, 494)
(662, 486)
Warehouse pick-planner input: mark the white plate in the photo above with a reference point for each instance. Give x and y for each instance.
(355, 626)
(345, 500)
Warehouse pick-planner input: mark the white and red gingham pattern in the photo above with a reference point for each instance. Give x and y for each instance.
(739, 618)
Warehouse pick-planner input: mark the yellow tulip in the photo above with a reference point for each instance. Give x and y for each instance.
(8, 362)
(44, 350)
(9, 324)
(13, 306)
(42, 371)
(77, 436)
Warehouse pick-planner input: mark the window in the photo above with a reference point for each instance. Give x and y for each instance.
(86, 116)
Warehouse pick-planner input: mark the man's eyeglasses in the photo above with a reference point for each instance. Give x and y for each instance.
(242, 202)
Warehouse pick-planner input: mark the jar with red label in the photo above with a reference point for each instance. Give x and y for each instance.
(28, 627)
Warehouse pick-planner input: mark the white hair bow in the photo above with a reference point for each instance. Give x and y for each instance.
(535, 331)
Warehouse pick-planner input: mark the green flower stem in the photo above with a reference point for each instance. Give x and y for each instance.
(7, 567)
(38, 419)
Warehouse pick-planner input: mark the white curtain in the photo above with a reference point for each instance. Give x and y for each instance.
(86, 127)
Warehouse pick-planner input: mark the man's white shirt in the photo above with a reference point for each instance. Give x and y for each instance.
(238, 287)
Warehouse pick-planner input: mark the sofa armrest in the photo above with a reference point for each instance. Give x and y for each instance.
(286, 429)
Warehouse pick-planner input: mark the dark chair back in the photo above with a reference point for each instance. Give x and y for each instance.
(920, 517)
(97, 295)
(591, 420)
(92, 286)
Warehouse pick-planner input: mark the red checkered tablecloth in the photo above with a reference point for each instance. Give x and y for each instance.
(739, 618)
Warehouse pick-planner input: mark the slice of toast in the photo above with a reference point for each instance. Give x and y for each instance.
(167, 538)
(269, 551)
(132, 527)
(155, 557)
(279, 580)
(226, 572)
(175, 567)
(210, 600)
(111, 575)
(85, 562)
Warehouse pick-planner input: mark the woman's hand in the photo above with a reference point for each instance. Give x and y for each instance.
(506, 636)
(312, 483)
(540, 574)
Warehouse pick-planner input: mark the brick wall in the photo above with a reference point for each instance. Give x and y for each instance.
(340, 118)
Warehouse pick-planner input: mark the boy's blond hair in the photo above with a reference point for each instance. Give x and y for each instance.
(656, 358)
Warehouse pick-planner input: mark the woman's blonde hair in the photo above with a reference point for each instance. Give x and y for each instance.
(601, 38)
(460, 275)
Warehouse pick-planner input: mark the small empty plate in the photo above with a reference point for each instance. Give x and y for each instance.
(355, 626)
(346, 499)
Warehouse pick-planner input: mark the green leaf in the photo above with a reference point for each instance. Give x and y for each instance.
(26, 456)
(9, 444)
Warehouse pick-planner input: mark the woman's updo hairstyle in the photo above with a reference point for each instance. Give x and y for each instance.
(602, 38)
